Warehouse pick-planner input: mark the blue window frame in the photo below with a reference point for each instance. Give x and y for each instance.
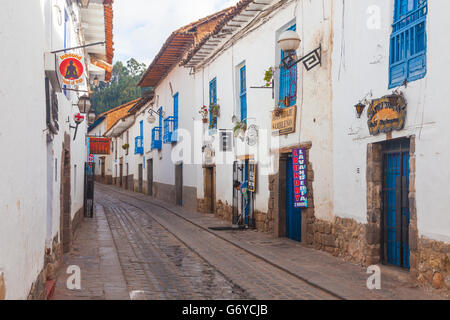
(288, 80)
(171, 123)
(157, 133)
(212, 101)
(243, 92)
(408, 42)
(139, 140)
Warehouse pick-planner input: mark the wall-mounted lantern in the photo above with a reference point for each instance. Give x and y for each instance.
(152, 114)
(84, 104)
(360, 109)
(91, 117)
(289, 41)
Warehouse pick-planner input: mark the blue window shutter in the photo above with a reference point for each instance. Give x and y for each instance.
(176, 119)
(141, 128)
(288, 85)
(243, 92)
(408, 42)
(213, 101)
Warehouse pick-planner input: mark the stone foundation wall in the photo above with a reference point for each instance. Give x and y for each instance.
(224, 211)
(52, 261)
(77, 219)
(264, 221)
(2, 287)
(433, 264)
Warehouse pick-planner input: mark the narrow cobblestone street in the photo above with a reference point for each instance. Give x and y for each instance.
(138, 248)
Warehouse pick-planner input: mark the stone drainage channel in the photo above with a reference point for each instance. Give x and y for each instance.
(166, 256)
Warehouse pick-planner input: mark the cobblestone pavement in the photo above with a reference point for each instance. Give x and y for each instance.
(95, 254)
(264, 266)
(166, 257)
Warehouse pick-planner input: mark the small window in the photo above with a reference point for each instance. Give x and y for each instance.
(226, 141)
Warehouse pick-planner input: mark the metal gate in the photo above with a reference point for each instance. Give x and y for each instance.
(89, 179)
(396, 214)
(293, 215)
(242, 205)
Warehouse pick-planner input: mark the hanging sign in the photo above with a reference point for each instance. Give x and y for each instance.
(78, 118)
(71, 69)
(387, 114)
(299, 177)
(100, 146)
(252, 176)
(283, 121)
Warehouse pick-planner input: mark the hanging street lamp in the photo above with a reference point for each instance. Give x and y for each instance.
(289, 41)
(84, 104)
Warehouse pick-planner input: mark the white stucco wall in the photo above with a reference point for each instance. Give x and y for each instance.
(258, 49)
(29, 193)
(361, 65)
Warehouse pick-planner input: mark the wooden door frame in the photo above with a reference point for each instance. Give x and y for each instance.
(150, 175)
(212, 208)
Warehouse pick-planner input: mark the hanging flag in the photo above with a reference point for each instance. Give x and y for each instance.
(71, 69)
(300, 188)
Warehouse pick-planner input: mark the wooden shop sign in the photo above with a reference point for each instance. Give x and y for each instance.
(283, 121)
(100, 146)
(387, 114)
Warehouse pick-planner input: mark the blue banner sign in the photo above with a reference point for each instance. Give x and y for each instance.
(300, 189)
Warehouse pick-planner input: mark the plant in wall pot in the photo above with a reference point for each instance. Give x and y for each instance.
(125, 146)
(239, 130)
(204, 113)
(268, 77)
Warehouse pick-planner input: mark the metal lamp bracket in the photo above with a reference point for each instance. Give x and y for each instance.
(310, 60)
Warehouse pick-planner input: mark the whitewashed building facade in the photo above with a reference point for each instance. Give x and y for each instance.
(41, 195)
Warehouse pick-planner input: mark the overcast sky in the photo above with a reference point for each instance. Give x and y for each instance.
(142, 26)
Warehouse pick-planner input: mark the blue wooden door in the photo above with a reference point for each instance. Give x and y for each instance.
(396, 217)
(293, 215)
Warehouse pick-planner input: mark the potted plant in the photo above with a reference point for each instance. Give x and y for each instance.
(268, 77)
(277, 111)
(204, 113)
(239, 128)
(125, 146)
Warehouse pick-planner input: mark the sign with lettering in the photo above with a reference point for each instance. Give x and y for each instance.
(283, 121)
(387, 114)
(252, 176)
(101, 146)
(299, 176)
(71, 69)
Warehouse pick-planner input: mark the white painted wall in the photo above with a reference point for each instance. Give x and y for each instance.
(258, 49)
(361, 65)
(29, 193)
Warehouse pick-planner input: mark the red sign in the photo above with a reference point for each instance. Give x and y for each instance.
(91, 158)
(71, 69)
(99, 146)
(299, 177)
(78, 118)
